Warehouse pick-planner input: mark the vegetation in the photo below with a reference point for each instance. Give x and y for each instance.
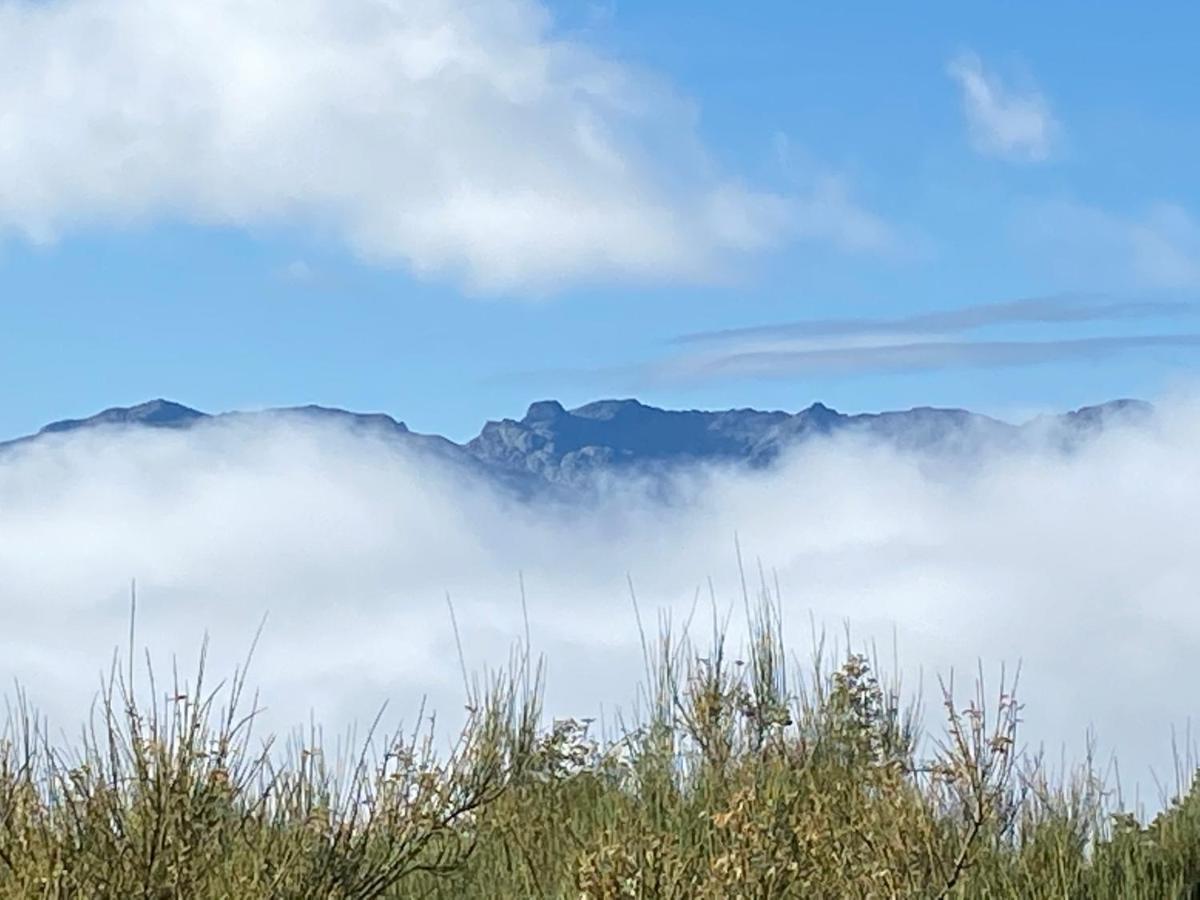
(741, 779)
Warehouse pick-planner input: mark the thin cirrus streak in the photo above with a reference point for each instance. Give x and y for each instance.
(918, 342)
(1055, 309)
(911, 356)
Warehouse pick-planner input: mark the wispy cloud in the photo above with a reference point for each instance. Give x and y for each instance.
(1055, 309)
(830, 215)
(912, 356)
(459, 139)
(921, 341)
(913, 343)
(825, 209)
(1002, 122)
(1157, 246)
(297, 272)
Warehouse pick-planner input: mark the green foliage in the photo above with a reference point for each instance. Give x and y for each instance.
(744, 779)
(174, 802)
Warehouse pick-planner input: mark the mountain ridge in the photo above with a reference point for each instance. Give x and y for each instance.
(555, 446)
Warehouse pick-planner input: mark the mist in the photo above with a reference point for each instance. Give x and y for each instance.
(1079, 567)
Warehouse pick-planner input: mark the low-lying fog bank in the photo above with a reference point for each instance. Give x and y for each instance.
(1081, 567)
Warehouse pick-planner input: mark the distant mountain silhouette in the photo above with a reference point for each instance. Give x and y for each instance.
(158, 413)
(555, 447)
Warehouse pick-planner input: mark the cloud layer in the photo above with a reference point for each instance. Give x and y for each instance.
(923, 341)
(793, 359)
(1081, 567)
(448, 136)
(1002, 122)
(1055, 309)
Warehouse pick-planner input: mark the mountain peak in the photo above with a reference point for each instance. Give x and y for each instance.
(334, 413)
(820, 410)
(1124, 408)
(1121, 405)
(157, 413)
(603, 410)
(544, 411)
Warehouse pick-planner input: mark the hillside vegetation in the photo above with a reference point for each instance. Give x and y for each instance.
(742, 777)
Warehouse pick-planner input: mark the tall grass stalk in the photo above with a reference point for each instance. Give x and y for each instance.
(743, 775)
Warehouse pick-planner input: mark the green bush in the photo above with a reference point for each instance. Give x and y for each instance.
(742, 779)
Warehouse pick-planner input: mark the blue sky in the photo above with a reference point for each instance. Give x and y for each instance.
(267, 223)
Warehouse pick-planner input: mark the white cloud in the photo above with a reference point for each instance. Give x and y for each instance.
(453, 137)
(1157, 247)
(796, 358)
(1001, 122)
(825, 210)
(829, 214)
(1077, 567)
(926, 341)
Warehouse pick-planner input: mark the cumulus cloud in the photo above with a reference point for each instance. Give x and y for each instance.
(459, 139)
(1003, 122)
(1080, 567)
